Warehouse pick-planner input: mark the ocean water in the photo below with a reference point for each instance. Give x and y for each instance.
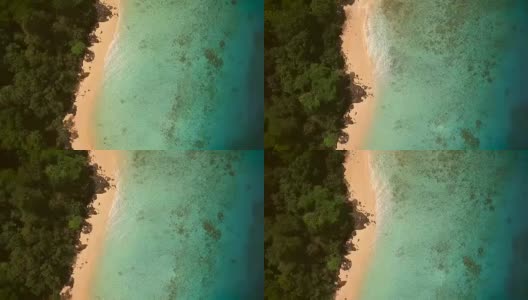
(185, 74)
(451, 225)
(450, 74)
(186, 225)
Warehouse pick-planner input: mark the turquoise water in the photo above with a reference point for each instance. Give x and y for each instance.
(450, 74)
(452, 225)
(184, 75)
(186, 225)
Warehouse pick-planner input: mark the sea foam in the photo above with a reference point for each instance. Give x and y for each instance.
(378, 42)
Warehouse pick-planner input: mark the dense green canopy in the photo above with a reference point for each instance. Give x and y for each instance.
(307, 223)
(42, 43)
(44, 192)
(44, 195)
(307, 92)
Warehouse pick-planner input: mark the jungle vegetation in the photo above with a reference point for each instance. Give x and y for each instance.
(45, 191)
(307, 92)
(308, 219)
(307, 224)
(42, 44)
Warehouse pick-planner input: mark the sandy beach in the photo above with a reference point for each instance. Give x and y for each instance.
(83, 120)
(357, 174)
(359, 62)
(107, 161)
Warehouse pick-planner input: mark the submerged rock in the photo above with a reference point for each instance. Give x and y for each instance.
(211, 230)
(469, 139)
(471, 266)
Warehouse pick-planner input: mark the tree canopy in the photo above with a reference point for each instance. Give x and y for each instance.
(308, 222)
(307, 92)
(41, 48)
(44, 198)
(44, 192)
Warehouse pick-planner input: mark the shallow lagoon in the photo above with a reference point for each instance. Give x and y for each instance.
(451, 225)
(186, 225)
(450, 74)
(184, 75)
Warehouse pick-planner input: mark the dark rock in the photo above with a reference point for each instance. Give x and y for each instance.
(341, 283)
(346, 265)
(343, 138)
(101, 183)
(358, 93)
(80, 247)
(87, 228)
(360, 220)
(104, 13)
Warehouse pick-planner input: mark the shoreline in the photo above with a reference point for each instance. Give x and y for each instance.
(358, 176)
(82, 127)
(107, 163)
(360, 66)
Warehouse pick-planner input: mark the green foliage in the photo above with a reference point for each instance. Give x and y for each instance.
(66, 4)
(41, 47)
(307, 93)
(65, 169)
(307, 221)
(334, 263)
(75, 223)
(41, 219)
(329, 140)
(78, 48)
(44, 192)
